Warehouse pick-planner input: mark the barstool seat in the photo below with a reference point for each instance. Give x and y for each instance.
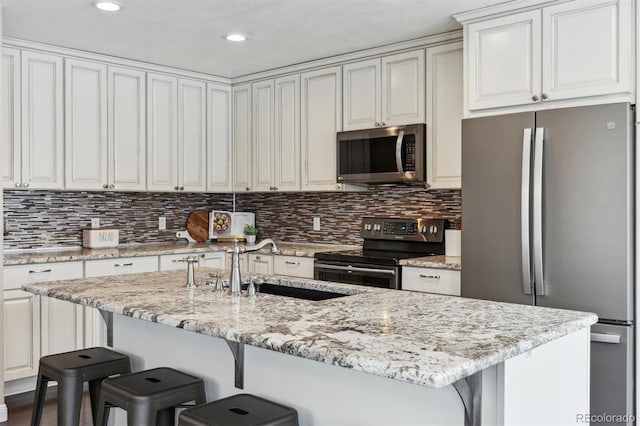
(240, 410)
(71, 370)
(150, 396)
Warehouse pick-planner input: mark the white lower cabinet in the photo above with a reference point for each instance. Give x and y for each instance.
(214, 260)
(173, 262)
(429, 280)
(62, 326)
(121, 266)
(21, 334)
(260, 263)
(293, 266)
(244, 262)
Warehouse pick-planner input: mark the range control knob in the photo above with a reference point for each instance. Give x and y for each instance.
(424, 229)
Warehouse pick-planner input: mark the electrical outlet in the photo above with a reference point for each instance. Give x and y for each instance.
(95, 222)
(162, 223)
(316, 223)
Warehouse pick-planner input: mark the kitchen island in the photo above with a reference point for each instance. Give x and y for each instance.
(385, 356)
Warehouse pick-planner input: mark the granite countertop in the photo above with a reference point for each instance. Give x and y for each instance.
(20, 257)
(425, 339)
(438, 262)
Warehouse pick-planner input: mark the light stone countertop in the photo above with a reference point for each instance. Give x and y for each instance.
(425, 339)
(437, 262)
(20, 257)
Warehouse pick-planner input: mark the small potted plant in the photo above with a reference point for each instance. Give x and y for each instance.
(250, 233)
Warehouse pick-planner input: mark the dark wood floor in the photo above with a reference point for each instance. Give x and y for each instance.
(21, 406)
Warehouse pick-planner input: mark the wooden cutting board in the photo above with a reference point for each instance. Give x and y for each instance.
(198, 225)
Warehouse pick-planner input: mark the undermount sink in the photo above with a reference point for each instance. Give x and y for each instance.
(297, 292)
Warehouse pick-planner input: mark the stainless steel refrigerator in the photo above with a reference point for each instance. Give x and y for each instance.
(548, 220)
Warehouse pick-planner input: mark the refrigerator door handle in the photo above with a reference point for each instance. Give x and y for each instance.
(524, 211)
(538, 271)
(605, 338)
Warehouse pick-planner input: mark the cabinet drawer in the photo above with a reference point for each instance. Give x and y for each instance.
(244, 262)
(261, 263)
(214, 260)
(17, 275)
(121, 266)
(427, 280)
(293, 266)
(171, 262)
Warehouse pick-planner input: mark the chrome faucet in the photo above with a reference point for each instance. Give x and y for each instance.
(191, 275)
(234, 277)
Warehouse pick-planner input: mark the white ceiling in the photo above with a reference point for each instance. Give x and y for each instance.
(188, 33)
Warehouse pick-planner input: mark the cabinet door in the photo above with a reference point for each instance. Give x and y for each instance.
(162, 133)
(192, 136)
(504, 61)
(85, 125)
(263, 135)
(403, 88)
(587, 48)
(242, 152)
(287, 138)
(362, 94)
(218, 138)
(321, 118)
(42, 121)
(127, 132)
(444, 116)
(21, 334)
(10, 125)
(261, 263)
(62, 326)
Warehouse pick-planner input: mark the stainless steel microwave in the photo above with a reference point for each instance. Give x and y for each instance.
(383, 155)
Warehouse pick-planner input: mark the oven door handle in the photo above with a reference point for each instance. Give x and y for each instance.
(399, 152)
(355, 269)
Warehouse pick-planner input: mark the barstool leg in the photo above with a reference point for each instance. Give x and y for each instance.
(38, 403)
(94, 396)
(201, 397)
(102, 416)
(141, 416)
(167, 417)
(69, 401)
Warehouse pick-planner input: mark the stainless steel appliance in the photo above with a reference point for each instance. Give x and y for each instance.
(382, 155)
(548, 208)
(386, 242)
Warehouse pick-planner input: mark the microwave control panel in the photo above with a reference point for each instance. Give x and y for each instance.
(409, 229)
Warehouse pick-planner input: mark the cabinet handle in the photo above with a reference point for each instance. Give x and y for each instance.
(26, 185)
(117, 265)
(383, 124)
(338, 186)
(176, 188)
(544, 97)
(105, 186)
(182, 188)
(18, 185)
(248, 189)
(202, 256)
(41, 271)
(112, 186)
(275, 188)
(534, 98)
(288, 262)
(377, 124)
(431, 277)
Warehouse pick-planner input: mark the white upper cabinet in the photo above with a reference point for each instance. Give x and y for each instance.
(192, 136)
(218, 138)
(287, 134)
(127, 129)
(403, 88)
(362, 99)
(570, 50)
(263, 135)
(42, 121)
(384, 92)
(587, 49)
(242, 145)
(10, 125)
(85, 124)
(504, 61)
(162, 132)
(444, 115)
(321, 118)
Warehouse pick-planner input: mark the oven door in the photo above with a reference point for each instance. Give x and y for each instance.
(359, 274)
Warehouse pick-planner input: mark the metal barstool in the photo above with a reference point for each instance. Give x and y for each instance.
(71, 370)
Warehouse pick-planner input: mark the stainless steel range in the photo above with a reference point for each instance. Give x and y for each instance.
(387, 240)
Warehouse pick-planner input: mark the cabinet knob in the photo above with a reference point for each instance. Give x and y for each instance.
(17, 185)
(534, 98)
(248, 189)
(544, 97)
(337, 186)
(176, 188)
(105, 186)
(182, 188)
(26, 185)
(275, 188)
(383, 124)
(377, 124)
(112, 186)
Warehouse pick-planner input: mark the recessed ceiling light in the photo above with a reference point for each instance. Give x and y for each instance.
(236, 37)
(108, 6)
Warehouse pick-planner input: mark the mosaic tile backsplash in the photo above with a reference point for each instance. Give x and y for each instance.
(37, 219)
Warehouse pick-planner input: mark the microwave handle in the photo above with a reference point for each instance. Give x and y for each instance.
(399, 152)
